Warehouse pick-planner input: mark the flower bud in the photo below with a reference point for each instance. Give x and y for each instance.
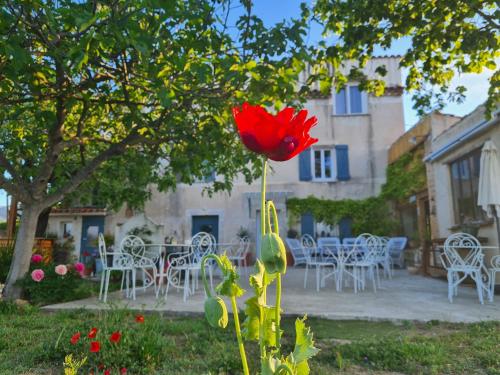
(273, 253)
(216, 312)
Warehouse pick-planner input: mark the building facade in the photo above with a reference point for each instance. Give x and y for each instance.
(354, 129)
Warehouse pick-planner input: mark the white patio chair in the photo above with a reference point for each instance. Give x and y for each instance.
(360, 261)
(383, 258)
(315, 259)
(118, 262)
(238, 252)
(146, 259)
(459, 267)
(295, 248)
(396, 247)
(495, 267)
(183, 267)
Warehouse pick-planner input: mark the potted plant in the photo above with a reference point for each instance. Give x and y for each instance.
(89, 261)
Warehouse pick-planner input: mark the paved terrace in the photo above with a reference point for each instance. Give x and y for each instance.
(405, 297)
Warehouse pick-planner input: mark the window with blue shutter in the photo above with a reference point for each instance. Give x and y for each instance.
(305, 165)
(307, 224)
(342, 152)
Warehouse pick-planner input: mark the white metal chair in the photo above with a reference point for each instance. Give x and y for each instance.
(295, 248)
(360, 261)
(183, 267)
(118, 262)
(383, 257)
(146, 259)
(396, 247)
(315, 259)
(495, 267)
(459, 267)
(239, 252)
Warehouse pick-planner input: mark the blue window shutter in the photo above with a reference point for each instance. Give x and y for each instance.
(307, 224)
(342, 152)
(305, 165)
(345, 227)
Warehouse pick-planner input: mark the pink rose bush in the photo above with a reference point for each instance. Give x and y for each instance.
(37, 275)
(48, 282)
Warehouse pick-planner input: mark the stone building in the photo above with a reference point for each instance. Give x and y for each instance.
(355, 130)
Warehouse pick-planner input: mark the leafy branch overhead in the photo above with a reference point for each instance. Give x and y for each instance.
(83, 83)
(445, 39)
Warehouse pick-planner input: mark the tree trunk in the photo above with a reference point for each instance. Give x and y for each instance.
(23, 249)
(43, 221)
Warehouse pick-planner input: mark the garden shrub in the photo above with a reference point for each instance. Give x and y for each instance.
(54, 288)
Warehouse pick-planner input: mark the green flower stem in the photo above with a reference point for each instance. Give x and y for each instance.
(262, 233)
(203, 274)
(234, 306)
(277, 312)
(271, 212)
(238, 336)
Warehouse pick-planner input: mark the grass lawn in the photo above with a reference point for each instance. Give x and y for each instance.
(32, 342)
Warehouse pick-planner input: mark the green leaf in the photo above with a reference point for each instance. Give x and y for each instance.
(229, 286)
(304, 344)
(251, 327)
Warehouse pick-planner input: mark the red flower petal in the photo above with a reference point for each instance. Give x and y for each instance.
(95, 347)
(75, 338)
(123, 371)
(139, 318)
(115, 337)
(107, 372)
(279, 137)
(92, 334)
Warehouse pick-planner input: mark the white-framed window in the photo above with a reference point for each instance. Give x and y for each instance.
(323, 160)
(350, 101)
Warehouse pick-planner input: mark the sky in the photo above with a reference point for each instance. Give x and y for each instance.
(272, 11)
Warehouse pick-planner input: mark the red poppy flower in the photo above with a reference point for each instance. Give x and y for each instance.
(95, 347)
(139, 318)
(123, 371)
(107, 372)
(115, 337)
(279, 137)
(92, 334)
(75, 338)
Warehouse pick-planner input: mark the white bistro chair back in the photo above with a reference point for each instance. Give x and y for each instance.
(146, 259)
(396, 247)
(462, 256)
(114, 261)
(296, 250)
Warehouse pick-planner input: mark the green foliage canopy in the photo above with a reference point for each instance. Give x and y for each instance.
(133, 93)
(446, 38)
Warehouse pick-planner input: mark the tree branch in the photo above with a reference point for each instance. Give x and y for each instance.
(86, 171)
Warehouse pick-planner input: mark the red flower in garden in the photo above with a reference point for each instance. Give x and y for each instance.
(115, 337)
(123, 371)
(92, 334)
(279, 137)
(139, 318)
(107, 372)
(101, 366)
(95, 346)
(75, 338)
